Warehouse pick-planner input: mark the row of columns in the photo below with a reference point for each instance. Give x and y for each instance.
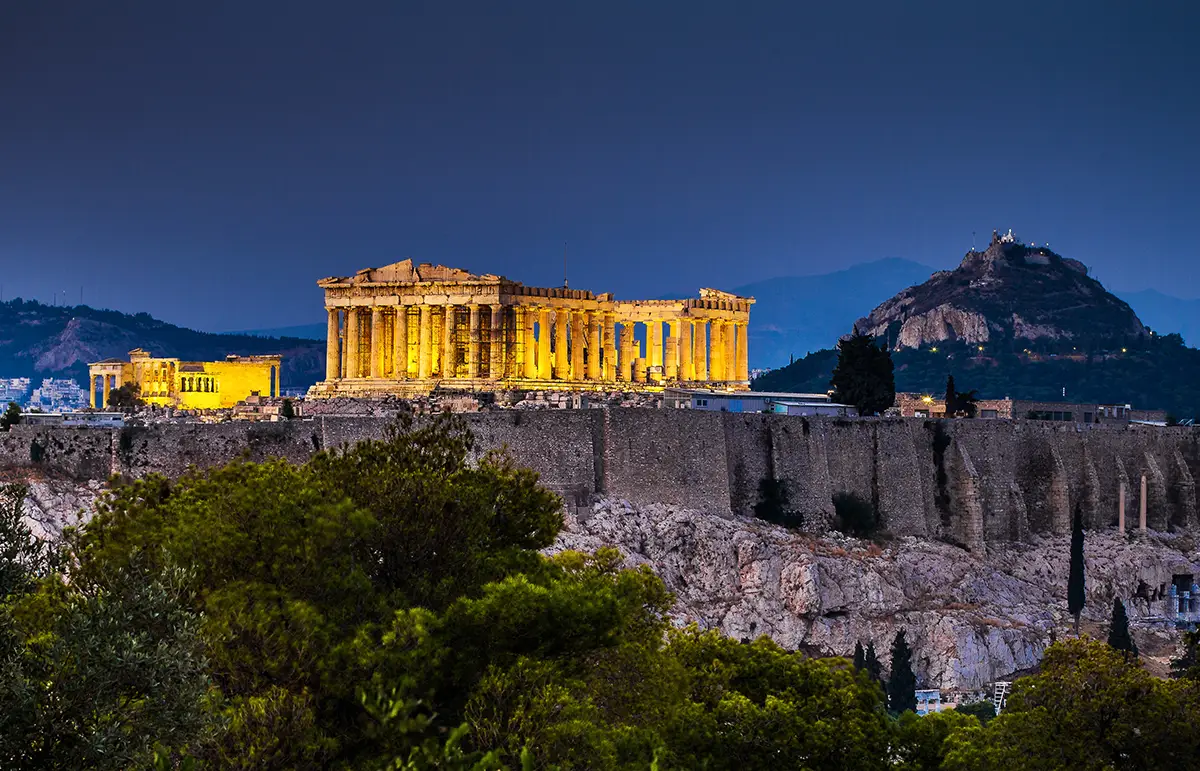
(693, 350)
(108, 383)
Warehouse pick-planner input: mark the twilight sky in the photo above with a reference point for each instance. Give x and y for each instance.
(208, 162)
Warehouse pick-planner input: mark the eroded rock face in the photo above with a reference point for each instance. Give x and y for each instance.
(971, 621)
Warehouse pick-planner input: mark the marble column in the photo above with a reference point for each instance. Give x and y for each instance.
(608, 365)
(743, 352)
(106, 386)
(333, 362)
(701, 351)
(716, 363)
(476, 339)
(529, 317)
(687, 367)
(654, 341)
(400, 343)
(730, 353)
(594, 350)
(626, 362)
(425, 347)
(351, 342)
(578, 343)
(561, 367)
(449, 344)
(92, 391)
(496, 354)
(376, 368)
(674, 344)
(544, 369)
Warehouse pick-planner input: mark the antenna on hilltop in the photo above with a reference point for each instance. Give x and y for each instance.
(972, 240)
(565, 285)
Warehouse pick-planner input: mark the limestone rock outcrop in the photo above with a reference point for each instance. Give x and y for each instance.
(971, 619)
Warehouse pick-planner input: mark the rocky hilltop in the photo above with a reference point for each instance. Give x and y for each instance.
(1007, 292)
(39, 340)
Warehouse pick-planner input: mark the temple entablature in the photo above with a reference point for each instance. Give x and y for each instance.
(406, 329)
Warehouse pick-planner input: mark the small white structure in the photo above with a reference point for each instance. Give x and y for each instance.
(754, 401)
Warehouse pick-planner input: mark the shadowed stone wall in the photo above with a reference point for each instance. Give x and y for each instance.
(971, 481)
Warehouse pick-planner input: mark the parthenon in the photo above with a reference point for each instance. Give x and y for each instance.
(407, 329)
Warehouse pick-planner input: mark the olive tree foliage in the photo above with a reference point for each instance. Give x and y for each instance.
(94, 673)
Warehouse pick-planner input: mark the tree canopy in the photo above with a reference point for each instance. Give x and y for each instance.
(863, 375)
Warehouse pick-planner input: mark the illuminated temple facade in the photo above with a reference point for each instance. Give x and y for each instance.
(407, 329)
(195, 385)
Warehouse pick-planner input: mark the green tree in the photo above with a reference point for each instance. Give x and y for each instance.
(93, 673)
(1118, 634)
(872, 665)
(1187, 665)
(984, 710)
(919, 743)
(11, 416)
(864, 376)
(860, 657)
(288, 410)
(951, 397)
(902, 683)
(127, 398)
(1075, 587)
(1091, 708)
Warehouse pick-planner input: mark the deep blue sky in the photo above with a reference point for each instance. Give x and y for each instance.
(208, 162)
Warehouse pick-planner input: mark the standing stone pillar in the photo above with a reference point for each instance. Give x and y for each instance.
(687, 366)
(610, 347)
(717, 359)
(400, 343)
(376, 368)
(578, 342)
(333, 361)
(106, 386)
(560, 345)
(1142, 507)
(627, 351)
(352, 342)
(476, 339)
(496, 355)
(545, 372)
(1121, 509)
(674, 345)
(700, 373)
(529, 316)
(654, 343)
(743, 351)
(731, 362)
(92, 391)
(425, 347)
(593, 350)
(449, 346)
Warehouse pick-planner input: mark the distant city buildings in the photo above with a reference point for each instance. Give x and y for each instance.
(13, 389)
(912, 405)
(57, 395)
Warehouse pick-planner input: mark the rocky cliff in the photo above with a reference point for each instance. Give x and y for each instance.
(971, 620)
(1009, 291)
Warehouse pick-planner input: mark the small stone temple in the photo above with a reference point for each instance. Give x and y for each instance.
(196, 385)
(407, 329)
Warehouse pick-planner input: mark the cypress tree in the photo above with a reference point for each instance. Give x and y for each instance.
(902, 683)
(951, 397)
(1075, 593)
(1118, 634)
(860, 659)
(871, 662)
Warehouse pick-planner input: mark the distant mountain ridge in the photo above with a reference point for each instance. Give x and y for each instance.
(39, 340)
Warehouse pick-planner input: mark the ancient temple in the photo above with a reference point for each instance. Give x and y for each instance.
(193, 385)
(406, 329)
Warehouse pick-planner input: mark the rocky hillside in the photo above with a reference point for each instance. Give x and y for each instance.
(1008, 292)
(43, 341)
(970, 620)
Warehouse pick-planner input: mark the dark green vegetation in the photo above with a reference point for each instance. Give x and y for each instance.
(126, 398)
(1118, 634)
(1156, 372)
(10, 417)
(863, 375)
(60, 341)
(385, 606)
(902, 683)
(1075, 577)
